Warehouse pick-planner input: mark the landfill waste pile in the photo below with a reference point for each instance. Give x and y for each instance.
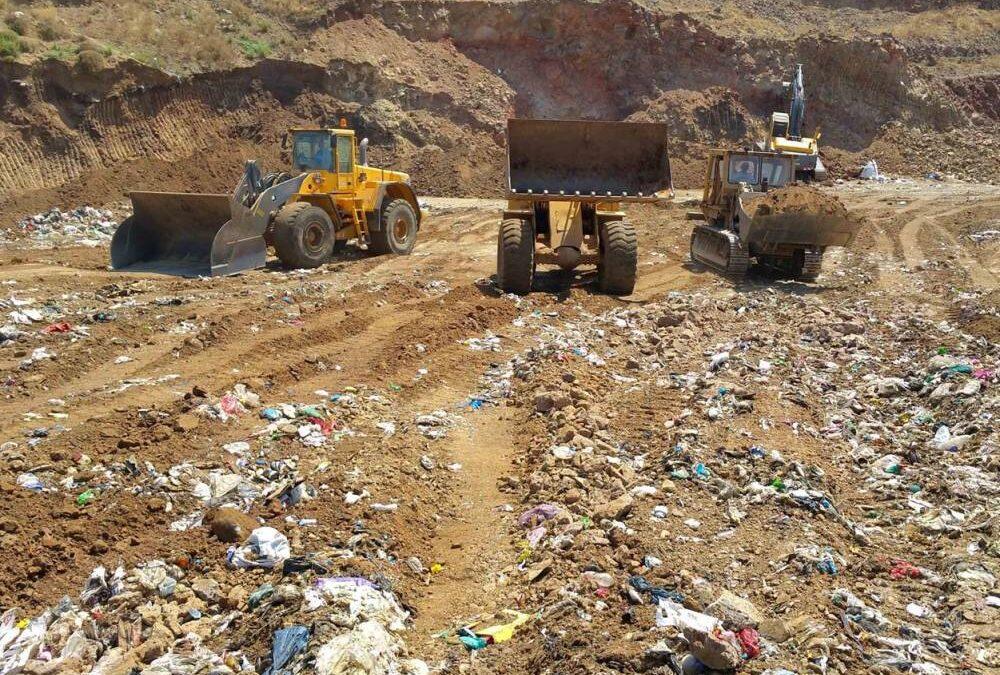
(386, 465)
(83, 226)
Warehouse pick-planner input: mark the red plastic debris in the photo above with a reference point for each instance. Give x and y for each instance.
(904, 570)
(61, 327)
(750, 642)
(229, 404)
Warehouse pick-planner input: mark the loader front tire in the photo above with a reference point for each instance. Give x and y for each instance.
(303, 235)
(516, 256)
(399, 229)
(616, 269)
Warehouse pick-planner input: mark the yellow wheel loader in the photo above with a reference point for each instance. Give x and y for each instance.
(752, 212)
(334, 197)
(567, 182)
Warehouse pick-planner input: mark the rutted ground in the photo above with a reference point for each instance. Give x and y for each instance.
(384, 342)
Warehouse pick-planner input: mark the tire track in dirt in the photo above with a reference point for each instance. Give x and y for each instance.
(473, 547)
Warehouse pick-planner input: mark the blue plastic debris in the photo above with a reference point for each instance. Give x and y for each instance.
(287, 643)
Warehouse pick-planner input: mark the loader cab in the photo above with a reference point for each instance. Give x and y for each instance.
(330, 151)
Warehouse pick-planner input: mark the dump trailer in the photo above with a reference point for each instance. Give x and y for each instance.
(333, 197)
(751, 211)
(567, 183)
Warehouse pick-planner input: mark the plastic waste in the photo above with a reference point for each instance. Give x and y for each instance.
(505, 631)
(266, 547)
(287, 643)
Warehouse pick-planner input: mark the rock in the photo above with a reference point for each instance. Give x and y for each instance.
(735, 611)
(547, 401)
(715, 652)
(207, 589)
(889, 386)
(237, 597)
(229, 525)
(543, 402)
(616, 509)
(159, 641)
(775, 629)
(669, 320)
(186, 422)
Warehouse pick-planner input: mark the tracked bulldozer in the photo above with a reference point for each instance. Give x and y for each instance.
(567, 183)
(752, 212)
(333, 197)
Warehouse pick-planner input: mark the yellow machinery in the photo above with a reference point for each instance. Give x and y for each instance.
(334, 197)
(785, 134)
(567, 182)
(739, 225)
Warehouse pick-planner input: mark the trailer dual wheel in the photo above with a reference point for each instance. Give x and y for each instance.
(399, 229)
(616, 269)
(303, 235)
(516, 256)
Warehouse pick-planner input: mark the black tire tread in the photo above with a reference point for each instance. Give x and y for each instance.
(616, 271)
(516, 256)
(379, 243)
(284, 230)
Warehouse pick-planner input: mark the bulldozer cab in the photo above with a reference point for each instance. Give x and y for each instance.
(755, 170)
(330, 151)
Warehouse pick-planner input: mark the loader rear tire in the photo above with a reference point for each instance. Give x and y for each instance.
(616, 269)
(399, 229)
(303, 235)
(516, 256)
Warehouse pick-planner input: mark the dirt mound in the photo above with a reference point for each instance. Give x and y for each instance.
(801, 199)
(438, 109)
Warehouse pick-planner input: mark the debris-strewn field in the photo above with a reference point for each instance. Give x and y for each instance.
(614, 483)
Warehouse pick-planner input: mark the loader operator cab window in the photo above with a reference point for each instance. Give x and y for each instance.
(744, 169)
(777, 171)
(311, 151)
(344, 148)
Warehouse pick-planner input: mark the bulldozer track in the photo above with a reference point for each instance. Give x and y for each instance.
(812, 264)
(729, 258)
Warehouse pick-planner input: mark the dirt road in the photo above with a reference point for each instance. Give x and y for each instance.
(119, 406)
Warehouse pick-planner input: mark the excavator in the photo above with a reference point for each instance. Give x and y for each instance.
(786, 132)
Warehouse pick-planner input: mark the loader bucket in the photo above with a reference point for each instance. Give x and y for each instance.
(802, 230)
(797, 216)
(625, 159)
(185, 235)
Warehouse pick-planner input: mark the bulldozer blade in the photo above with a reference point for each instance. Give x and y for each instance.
(802, 229)
(587, 158)
(185, 235)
